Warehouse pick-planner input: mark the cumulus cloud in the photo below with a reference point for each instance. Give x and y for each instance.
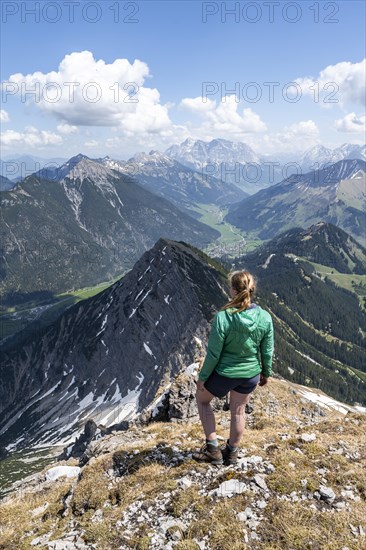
(338, 84)
(224, 118)
(351, 123)
(65, 128)
(88, 92)
(30, 137)
(4, 116)
(295, 138)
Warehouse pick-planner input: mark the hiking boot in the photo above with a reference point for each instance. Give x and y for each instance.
(229, 457)
(209, 453)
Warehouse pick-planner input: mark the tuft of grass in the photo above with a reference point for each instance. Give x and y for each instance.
(295, 526)
(92, 489)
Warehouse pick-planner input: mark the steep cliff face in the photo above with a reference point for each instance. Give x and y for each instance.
(106, 358)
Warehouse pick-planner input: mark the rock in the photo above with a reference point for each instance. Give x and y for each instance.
(247, 514)
(169, 523)
(306, 438)
(38, 511)
(242, 463)
(340, 505)
(254, 459)
(97, 516)
(261, 482)
(261, 504)
(326, 493)
(40, 541)
(348, 494)
(229, 488)
(78, 448)
(61, 544)
(184, 482)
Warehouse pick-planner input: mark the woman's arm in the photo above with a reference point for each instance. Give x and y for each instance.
(214, 348)
(266, 351)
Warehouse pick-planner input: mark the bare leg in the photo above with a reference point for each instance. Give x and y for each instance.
(206, 413)
(237, 410)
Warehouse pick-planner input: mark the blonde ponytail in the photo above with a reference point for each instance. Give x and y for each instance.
(244, 284)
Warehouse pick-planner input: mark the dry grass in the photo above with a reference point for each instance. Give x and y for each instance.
(286, 525)
(16, 515)
(295, 526)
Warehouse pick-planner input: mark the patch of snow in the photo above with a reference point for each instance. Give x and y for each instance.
(148, 350)
(141, 291)
(103, 325)
(325, 401)
(133, 312)
(146, 270)
(291, 371)
(59, 471)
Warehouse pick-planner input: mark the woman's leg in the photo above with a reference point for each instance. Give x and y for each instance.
(237, 410)
(206, 413)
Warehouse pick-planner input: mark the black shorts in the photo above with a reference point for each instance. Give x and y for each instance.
(219, 385)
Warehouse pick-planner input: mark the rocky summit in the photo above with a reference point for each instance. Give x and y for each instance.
(298, 482)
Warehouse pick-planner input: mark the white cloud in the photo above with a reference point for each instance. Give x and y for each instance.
(30, 137)
(338, 84)
(4, 116)
(293, 138)
(92, 143)
(351, 123)
(88, 92)
(65, 128)
(223, 119)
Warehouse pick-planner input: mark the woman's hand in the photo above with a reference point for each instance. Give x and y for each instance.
(262, 380)
(200, 386)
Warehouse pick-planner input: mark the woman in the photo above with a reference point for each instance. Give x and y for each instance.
(240, 332)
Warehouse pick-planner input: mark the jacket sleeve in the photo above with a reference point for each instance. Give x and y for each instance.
(266, 350)
(214, 348)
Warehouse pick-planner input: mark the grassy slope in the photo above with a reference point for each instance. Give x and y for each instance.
(351, 282)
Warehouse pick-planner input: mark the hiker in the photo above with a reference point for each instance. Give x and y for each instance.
(241, 331)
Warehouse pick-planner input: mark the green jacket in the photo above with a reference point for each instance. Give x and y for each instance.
(236, 340)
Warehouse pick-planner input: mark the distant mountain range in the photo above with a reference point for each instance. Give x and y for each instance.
(18, 167)
(335, 194)
(198, 153)
(182, 185)
(319, 156)
(87, 225)
(238, 164)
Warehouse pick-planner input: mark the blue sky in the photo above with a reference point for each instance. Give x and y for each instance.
(182, 45)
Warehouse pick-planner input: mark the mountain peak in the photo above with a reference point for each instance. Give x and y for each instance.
(148, 317)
